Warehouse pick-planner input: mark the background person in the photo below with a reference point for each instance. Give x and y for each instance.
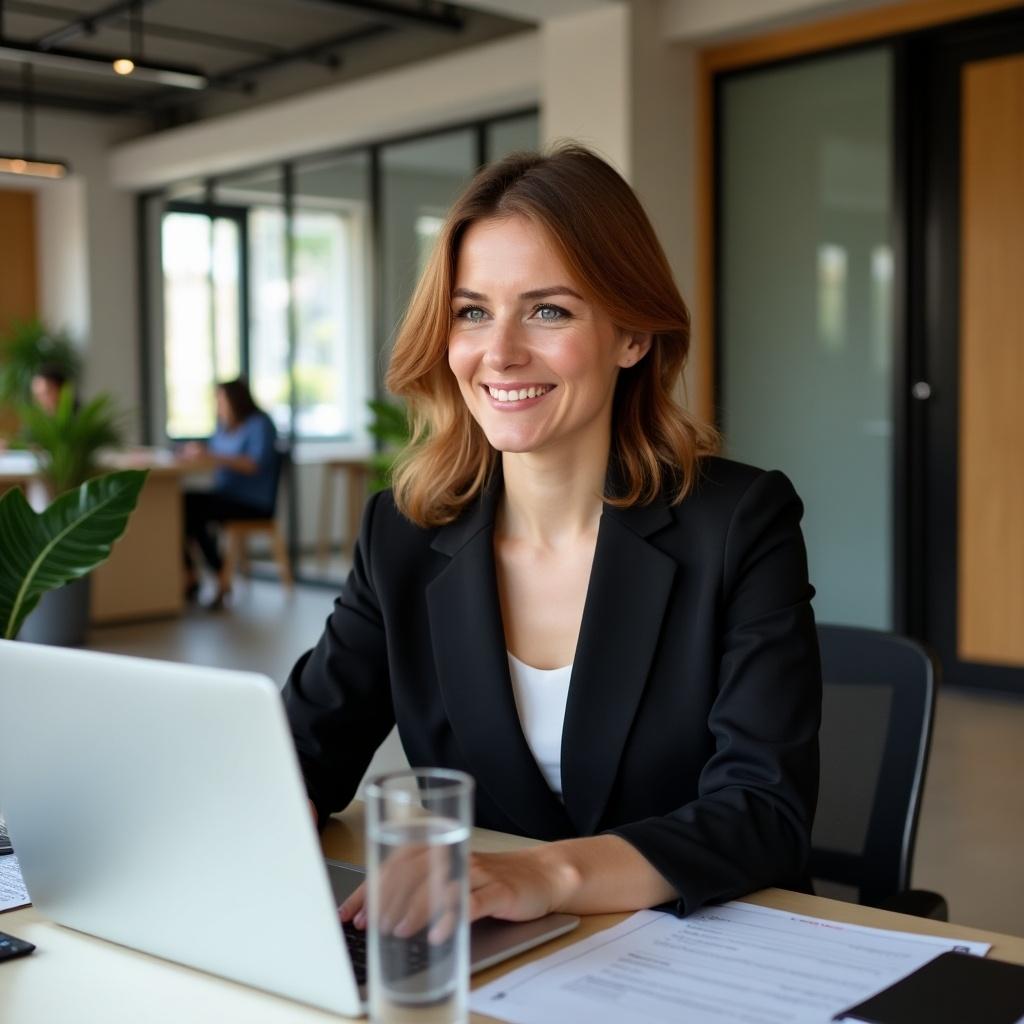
(566, 594)
(46, 385)
(243, 448)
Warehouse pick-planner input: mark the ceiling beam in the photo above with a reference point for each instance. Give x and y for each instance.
(99, 64)
(243, 74)
(442, 18)
(308, 51)
(153, 30)
(87, 23)
(62, 102)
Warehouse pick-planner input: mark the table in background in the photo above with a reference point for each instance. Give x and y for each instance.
(356, 473)
(76, 979)
(144, 577)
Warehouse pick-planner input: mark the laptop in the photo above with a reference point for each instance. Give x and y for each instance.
(161, 806)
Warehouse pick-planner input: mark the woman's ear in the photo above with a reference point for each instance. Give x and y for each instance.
(637, 345)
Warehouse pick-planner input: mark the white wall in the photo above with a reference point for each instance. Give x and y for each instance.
(610, 79)
(85, 248)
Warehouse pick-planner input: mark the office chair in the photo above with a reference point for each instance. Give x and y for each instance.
(878, 707)
(238, 531)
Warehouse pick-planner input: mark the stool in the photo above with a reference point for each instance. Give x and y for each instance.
(236, 535)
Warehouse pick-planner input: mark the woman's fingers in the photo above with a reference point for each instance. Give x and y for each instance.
(353, 904)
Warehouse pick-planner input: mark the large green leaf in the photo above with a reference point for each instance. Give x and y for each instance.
(42, 551)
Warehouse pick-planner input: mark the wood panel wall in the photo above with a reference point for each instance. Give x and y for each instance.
(19, 290)
(991, 478)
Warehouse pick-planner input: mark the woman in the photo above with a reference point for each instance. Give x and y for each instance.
(245, 480)
(558, 514)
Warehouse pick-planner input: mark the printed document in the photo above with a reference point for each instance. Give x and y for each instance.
(13, 893)
(735, 962)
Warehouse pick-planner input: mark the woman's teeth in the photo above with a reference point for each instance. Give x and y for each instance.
(502, 395)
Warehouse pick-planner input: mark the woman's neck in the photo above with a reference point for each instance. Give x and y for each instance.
(552, 499)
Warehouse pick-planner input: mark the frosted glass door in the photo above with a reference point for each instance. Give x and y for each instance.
(805, 308)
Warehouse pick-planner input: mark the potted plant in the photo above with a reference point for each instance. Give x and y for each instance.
(52, 552)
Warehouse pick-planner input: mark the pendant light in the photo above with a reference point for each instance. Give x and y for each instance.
(27, 164)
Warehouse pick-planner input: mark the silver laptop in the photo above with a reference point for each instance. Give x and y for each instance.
(161, 806)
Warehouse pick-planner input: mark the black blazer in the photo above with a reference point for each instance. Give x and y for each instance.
(692, 719)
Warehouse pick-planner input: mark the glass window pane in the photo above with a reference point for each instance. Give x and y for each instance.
(420, 180)
(805, 308)
(188, 348)
(333, 352)
(513, 135)
(226, 298)
(259, 196)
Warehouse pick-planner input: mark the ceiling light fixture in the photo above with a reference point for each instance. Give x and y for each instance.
(27, 164)
(124, 66)
(64, 60)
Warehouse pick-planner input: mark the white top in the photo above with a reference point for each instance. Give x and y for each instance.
(540, 700)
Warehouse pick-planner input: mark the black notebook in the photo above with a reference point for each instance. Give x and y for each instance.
(951, 989)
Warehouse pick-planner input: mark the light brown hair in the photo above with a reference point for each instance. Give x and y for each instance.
(601, 232)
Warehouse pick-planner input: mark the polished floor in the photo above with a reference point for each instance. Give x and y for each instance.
(971, 836)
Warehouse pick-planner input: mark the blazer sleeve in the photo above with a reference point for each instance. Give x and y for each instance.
(750, 825)
(338, 696)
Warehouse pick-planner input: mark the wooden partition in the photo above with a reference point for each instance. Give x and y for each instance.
(18, 287)
(991, 478)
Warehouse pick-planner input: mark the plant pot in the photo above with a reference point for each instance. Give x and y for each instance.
(62, 616)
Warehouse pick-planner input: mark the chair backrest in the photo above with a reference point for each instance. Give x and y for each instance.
(282, 465)
(877, 712)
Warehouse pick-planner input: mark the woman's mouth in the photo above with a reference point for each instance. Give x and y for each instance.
(516, 395)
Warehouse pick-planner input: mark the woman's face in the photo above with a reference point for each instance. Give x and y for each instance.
(536, 362)
(224, 408)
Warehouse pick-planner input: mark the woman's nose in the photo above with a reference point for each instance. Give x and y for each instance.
(505, 346)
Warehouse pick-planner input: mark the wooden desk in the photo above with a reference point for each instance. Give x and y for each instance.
(76, 979)
(144, 577)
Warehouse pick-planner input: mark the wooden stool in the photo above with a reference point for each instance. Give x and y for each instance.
(236, 535)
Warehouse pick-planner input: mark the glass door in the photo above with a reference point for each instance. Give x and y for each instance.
(805, 308)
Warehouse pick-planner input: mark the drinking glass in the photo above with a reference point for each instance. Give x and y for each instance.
(417, 847)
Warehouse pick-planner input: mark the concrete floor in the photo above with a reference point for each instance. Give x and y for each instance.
(971, 837)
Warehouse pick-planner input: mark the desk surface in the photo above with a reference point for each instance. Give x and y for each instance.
(75, 978)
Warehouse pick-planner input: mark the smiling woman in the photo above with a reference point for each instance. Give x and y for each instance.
(567, 595)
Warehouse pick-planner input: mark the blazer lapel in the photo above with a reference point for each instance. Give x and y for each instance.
(472, 667)
(630, 585)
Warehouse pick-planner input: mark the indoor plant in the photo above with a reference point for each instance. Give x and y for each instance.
(390, 427)
(27, 345)
(86, 513)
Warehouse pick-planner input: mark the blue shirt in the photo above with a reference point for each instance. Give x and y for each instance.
(255, 438)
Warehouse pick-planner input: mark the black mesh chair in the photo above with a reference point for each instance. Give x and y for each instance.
(876, 728)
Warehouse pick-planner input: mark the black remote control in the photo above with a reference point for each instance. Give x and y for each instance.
(10, 947)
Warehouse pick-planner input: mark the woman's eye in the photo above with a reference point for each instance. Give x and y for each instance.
(474, 314)
(551, 313)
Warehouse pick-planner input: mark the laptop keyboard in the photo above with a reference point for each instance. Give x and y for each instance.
(415, 954)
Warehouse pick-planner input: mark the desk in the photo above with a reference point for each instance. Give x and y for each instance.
(76, 979)
(152, 541)
(356, 473)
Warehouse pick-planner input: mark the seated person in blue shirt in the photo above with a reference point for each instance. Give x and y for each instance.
(245, 481)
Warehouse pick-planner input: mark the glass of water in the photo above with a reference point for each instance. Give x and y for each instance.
(417, 849)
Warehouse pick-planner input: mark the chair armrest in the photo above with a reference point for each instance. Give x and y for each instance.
(918, 903)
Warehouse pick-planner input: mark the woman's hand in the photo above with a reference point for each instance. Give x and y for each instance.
(193, 450)
(517, 886)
